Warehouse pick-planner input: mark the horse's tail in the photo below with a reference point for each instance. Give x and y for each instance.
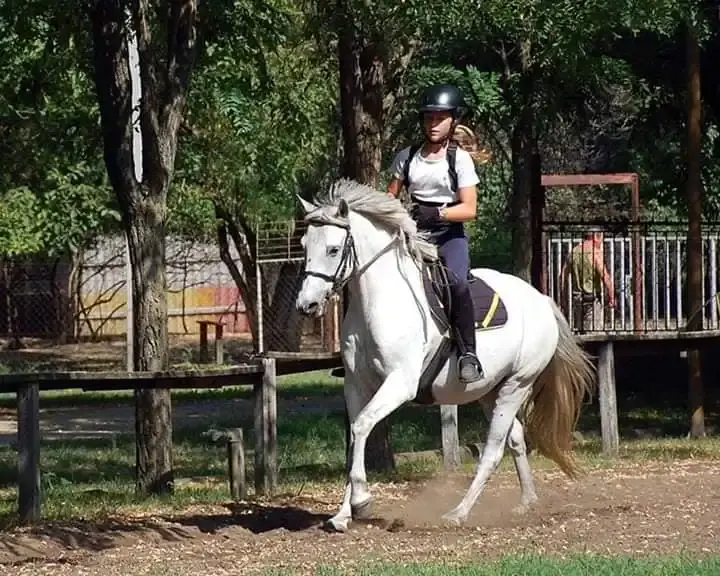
(558, 397)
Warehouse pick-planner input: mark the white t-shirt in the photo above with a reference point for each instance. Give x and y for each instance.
(430, 179)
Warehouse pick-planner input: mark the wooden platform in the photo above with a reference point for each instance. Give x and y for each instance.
(609, 345)
(650, 336)
(659, 342)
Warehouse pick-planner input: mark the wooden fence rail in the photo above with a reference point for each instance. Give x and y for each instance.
(262, 375)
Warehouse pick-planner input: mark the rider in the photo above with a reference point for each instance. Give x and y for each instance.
(441, 210)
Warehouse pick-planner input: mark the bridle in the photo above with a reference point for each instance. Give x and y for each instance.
(348, 266)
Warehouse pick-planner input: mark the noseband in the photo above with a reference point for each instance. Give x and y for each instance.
(348, 259)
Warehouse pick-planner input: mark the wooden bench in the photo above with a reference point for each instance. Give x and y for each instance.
(219, 351)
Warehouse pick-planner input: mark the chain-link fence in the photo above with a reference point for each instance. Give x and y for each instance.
(279, 267)
(71, 313)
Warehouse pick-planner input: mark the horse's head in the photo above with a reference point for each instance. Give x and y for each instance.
(329, 255)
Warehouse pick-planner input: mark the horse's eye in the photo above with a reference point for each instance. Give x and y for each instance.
(333, 251)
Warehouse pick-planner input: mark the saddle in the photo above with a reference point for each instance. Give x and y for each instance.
(489, 311)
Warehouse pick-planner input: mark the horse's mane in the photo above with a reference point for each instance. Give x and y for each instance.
(378, 207)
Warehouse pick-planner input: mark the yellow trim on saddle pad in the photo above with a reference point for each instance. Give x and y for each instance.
(491, 312)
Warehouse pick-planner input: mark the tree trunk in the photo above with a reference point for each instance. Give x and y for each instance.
(282, 326)
(153, 408)
(537, 212)
(361, 103)
(164, 79)
(72, 305)
(244, 276)
(694, 243)
(522, 145)
(282, 320)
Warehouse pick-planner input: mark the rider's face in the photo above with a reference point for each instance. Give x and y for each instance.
(437, 125)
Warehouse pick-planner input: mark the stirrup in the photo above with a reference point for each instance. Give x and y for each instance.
(469, 368)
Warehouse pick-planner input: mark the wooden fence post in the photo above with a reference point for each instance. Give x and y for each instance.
(608, 400)
(28, 434)
(219, 348)
(266, 474)
(236, 464)
(450, 438)
(203, 357)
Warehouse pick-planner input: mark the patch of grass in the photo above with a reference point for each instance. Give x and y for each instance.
(534, 565)
(660, 449)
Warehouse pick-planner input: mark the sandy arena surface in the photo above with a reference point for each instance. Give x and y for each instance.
(640, 509)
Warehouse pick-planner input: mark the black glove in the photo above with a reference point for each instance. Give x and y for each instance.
(425, 216)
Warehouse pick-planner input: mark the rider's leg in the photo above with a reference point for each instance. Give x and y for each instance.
(455, 254)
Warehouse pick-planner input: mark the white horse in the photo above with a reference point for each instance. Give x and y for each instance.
(533, 366)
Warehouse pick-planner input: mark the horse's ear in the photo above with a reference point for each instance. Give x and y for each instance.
(343, 208)
(306, 206)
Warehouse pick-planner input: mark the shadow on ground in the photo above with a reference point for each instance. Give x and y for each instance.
(51, 541)
(255, 518)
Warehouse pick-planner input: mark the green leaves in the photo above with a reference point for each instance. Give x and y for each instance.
(19, 230)
(61, 219)
(257, 137)
(72, 211)
(53, 194)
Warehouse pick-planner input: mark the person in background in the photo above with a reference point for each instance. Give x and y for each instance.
(584, 276)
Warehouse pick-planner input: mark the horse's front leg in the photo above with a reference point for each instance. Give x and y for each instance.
(355, 398)
(399, 387)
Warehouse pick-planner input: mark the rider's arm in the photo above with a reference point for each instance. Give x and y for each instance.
(397, 170)
(394, 187)
(466, 209)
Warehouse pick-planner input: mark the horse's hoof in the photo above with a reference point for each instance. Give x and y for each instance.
(363, 510)
(521, 509)
(336, 526)
(454, 518)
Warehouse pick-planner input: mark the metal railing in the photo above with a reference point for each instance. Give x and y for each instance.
(646, 265)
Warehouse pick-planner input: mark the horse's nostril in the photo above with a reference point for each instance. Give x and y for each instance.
(312, 307)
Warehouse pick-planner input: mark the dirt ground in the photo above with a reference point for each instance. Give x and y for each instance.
(650, 509)
(662, 507)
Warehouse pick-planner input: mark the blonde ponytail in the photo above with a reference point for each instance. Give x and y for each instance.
(468, 141)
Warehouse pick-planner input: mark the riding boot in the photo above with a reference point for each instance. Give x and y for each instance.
(469, 367)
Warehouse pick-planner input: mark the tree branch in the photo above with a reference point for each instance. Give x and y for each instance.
(244, 241)
(149, 125)
(397, 68)
(182, 40)
(112, 85)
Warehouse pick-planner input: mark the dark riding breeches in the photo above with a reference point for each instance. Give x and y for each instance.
(454, 253)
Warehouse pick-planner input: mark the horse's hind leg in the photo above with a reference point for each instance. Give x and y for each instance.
(518, 449)
(510, 398)
(516, 444)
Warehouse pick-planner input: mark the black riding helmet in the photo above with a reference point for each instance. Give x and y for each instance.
(442, 98)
